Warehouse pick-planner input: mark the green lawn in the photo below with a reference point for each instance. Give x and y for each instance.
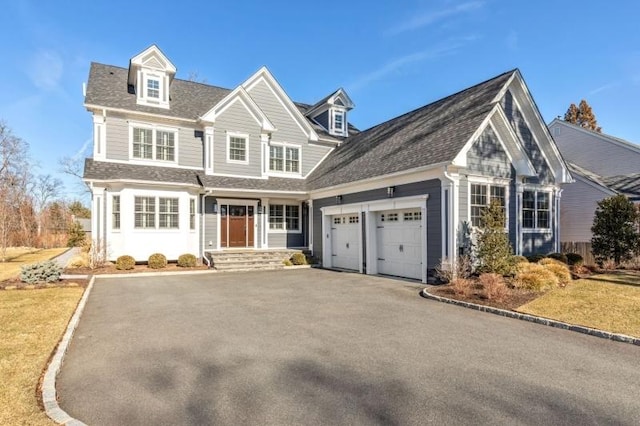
(608, 302)
(16, 257)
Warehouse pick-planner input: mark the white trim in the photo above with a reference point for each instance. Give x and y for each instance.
(284, 173)
(284, 203)
(236, 202)
(239, 176)
(155, 128)
(143, 182)
(324, 157)
(460, 159)
(488, 183)
(141, 113)
(549, 190)
(522, 163)
(261, 191)
(161, 163)
(239, 94)
(244, 136)
(99, 137)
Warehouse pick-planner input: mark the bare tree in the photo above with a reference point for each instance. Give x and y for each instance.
(74, 167)
(44, 188)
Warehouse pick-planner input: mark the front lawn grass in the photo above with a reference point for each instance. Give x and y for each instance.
(16, 257)
(32, 322)
(608, 302)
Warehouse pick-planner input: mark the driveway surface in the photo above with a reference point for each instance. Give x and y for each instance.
(322, 347)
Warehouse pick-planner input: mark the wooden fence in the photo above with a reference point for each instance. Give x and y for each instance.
(582, 248)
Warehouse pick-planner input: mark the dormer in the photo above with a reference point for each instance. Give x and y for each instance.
(150, 77)
(331, 113)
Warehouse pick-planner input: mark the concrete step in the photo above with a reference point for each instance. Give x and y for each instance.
(250, 259)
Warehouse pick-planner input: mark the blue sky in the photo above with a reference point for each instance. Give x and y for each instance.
(390, 56)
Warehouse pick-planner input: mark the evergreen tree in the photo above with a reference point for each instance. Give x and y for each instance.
(493, 250)
(77, 209)
(76, 235)
(583, 116)
(615, 229)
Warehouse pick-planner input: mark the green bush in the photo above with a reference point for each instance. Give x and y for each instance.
(125, 263)
(532, 276)
(157, 261)
(493, 249)
(187, 260)
(299, 259)
(574, 259)
(559, 256)
(41, 272)
(519, 259)
(535, 258)
(75, 235)
(287, 262)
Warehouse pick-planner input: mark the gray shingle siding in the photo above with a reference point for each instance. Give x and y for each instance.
(211, 224)
(190, 147)
(117, 145)
(434, 215)
(487, 156)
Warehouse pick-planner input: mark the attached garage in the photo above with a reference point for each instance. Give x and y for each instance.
(345, 241)
(399, 243)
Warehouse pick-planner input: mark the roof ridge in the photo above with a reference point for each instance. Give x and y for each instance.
(625, 142)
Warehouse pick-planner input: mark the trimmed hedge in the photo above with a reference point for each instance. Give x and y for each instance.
(125, 263)
(558, 256)
(187, 260)
(574, 259)
(536, 277)
(157, 261)
(535, 258)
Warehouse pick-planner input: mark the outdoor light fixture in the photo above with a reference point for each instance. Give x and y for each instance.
(338, 199)
(390, 191)
(215, 208)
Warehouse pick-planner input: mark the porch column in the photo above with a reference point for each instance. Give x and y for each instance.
(326, 241)
(265, 222)
(519, 190)
(371, 237)
(264, 153)
(310, 224)
(208, 149)
(556, 218)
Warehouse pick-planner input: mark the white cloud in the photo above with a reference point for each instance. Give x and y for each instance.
(437, 51)
(45, 69)
(432, 17)
(80, 153)
(603, 88)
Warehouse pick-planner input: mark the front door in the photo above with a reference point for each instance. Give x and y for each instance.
(236, 225)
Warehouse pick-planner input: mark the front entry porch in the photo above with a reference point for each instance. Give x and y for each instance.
(237, 226)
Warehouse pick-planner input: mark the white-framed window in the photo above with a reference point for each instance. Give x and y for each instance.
(536, 209)
(284, 158)
(338, 121)
(237, 147)
(192, 214)
(168, 213)
(115, 212)
(145, 212)
(153, 88)
(284, 217)
(480, 196)
(151, 143)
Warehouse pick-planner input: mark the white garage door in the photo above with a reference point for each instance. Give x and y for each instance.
(345, 242)
(399, 243)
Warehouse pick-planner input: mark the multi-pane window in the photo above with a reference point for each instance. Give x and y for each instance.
(276, 216)
(165, 146)
(237, 148)
(293, 217)
(115, 212)
(145, 212)
(192, 213)
(481, 195)
(147, 141)
(153, 88)
(338, 120)
(284, 159)
(412, 216)
(142, 143)
(354, 219)
(168, 213)
(536, 210)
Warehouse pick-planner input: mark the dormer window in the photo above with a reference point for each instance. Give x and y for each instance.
(338, 121)
(150, 75)
(153, 88)
(331, 113)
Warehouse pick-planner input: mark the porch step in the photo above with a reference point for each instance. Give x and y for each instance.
(250, 260)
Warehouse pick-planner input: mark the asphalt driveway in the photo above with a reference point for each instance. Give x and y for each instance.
(322, 347)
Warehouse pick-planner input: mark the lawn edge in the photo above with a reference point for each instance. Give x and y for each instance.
(535, 319)
(49, 395)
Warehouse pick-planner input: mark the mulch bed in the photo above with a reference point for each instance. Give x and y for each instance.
(111, 269)
(16, 284)
(511, 302)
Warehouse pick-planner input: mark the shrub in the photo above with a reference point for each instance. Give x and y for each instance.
(535, 258)
(79, 261)
(187, 260)
(287, 262)
(41, 272)
(550, 261)
(75, 235)
(559, 256)
(532, 276)
(615, 229)
(493, 250)
(561, 272)
(463, 269)
(574, 259)
(519, 259)
(494, 286)
(633, 263)
(157, 261)
(609, 264)
(462, 286)
(125, 263)
(298, 259)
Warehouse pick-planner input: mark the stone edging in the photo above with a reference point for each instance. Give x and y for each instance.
(532, 318)
(49, 398)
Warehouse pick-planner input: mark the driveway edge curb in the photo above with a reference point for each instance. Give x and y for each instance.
(532, 318)
(49, 396)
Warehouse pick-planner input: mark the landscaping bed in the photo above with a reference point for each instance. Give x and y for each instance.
(511, 301)
(111, 269)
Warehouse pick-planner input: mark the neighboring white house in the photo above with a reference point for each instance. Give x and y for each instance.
(184, 167)
(602, 166)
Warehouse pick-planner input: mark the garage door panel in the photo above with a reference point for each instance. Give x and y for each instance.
(345, 242)
(399, 243)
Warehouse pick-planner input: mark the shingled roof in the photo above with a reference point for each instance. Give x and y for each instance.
(429, 135)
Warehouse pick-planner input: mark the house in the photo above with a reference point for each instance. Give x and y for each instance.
(602, 166)
(183, 167)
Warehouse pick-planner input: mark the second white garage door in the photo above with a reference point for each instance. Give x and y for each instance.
(345, 241)
(399, 243)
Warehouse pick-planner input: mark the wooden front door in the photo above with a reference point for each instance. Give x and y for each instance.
(236, 225)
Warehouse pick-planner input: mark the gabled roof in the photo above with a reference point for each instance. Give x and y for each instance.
(604, 136)
(330, 100)
(628, 185)
(151, 57)
(429, 135)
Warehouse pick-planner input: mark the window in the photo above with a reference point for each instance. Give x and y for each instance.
(390, 217)
(354, 219)
(481, 196)
(284, 217)
(536, 210)
(336, 221)
(115, 212)
(153, 88)
(168, 213)
(149, 143)
(338, 120)
(412, 216)
(192, 213)
(237, 149)
(145, 212)
(284, 159)
(165, 146)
